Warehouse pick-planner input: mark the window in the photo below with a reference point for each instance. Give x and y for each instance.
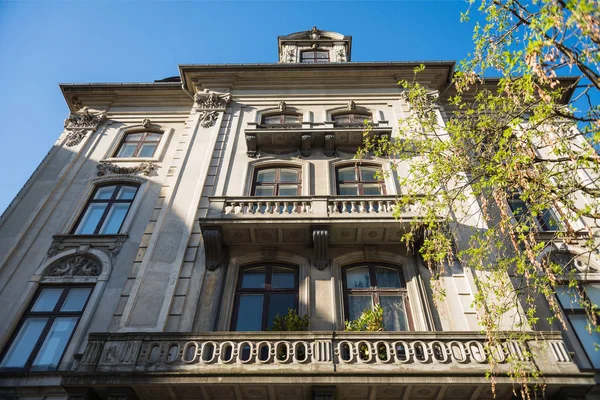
(314, 56)
(367, 285)
(262, 293)
(359, 180)
(571, 299)
(140, 144)
(46, 328)
(279, 181)
(281, 120)
(351, 119)
(546, 221)
(106, 210)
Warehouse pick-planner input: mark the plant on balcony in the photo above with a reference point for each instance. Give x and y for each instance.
(369, 321)
(290, 322)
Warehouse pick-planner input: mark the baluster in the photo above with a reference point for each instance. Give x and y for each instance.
(242, 209)
(269, 207)
(285, 208)
(344, 207)
(251, 209)
(363, 208)
(228, 208)
(234, 207)
(330, 207)
(277, 211)
(390, 207)
(372, 206)
(353, 207)
(259, 207)
(303, 207)
(380, 207)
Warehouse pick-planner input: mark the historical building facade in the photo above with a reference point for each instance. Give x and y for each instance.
(147, 256)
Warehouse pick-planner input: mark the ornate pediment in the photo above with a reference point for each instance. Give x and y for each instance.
(75, 266)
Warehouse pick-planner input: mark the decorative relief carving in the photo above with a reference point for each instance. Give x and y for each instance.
(145, 168)
(118, 246)
(371, 253)
(75, 266)
(351, 105)
(54, 247)
(80, 124)
(209, 105)
(321, 247)
(341, 55)
(291, 55)
(75, 137)
(146, 123)
(282, 106)
(314, 33)
(214, 247)
(208, 118)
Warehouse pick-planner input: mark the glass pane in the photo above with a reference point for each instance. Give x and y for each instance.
(20, 350)
(394, 313)
(104, 192)
(249, 316)
(322, 54)
(346, 174)
(265, 175)
(321, 60)
(371, 188)
(288, 175)
(569, 297)
(264, 191)
(91, 218)
(114, 219)
(548, 221)
(593, 292)
(126, 193)
(358, 304)
(279, 304)
(147, 150)
(288, 190)
(271, 120)
(518, 207)
(308, 54)
(54, 344)
(75, 300)
(387, 278)
(47, 299)
(133, 137)
(153, 137)
(282, 278)
(292, 119)
(127, 150)
(348, 189)
(368, 173)
(358, 277)
(342, 119)
(253, 278)
(588, 340)
(307, 60)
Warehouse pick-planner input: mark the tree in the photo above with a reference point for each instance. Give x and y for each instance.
(525, 138)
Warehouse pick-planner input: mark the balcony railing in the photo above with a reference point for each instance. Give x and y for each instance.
(320, 352)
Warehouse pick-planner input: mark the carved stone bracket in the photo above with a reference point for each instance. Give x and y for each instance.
(209, 105)
(118, 246)
(214, 247)
(252, 145)
(54, 247)
(321, 246)
(330, 145)
(80, 124)
(306, 145)
(145, 168)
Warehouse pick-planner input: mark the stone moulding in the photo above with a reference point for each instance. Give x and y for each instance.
(75, 266)
(145, 168)
(80, 124)
(321, 246)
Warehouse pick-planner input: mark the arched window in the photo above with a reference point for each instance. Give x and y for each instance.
(351, 119)
(359, 180)
(277, 181)
(106, 210)
(369, 284)
(264, 292)
(286, 120)
(314, 56)
(139, 144)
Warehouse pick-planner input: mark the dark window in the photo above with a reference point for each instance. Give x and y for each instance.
(279, 120)
(262, 293)
(359, 180)
(46, 328)
(351, 119)
(572, 301)
(315, 56)
(279, 181)
(546, 220)
(140, 144)
(106, 210)
(366, 285)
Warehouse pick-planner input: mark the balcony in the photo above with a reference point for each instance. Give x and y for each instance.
(246, 360)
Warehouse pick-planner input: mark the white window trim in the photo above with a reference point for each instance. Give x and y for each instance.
(123, 131)
(273, 162)
(390, 179)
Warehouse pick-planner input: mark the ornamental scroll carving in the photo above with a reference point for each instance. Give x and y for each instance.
(105, 167)
(80, 124)
(75, 266)
(209, 105)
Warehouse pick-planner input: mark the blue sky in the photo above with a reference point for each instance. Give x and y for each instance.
(45, 43)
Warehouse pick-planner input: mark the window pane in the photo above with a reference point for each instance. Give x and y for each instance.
(588, 340)
(153, 137)
(282, 278)
(387, 278)
(264, 191)
(371, 188)
(20, 350)
(279, 304)
(126, 193)
(91, 218)
(133, 137)
(593, 292)
(271, 120)
(265, 175)
(308, 60)
(342, 119)
(249, 316)
(288, 190)
(358, 304)
(292, 119)
(115, 218)
(54, 344)
(348, 189)
(518, 207)
(47, 299)
(104, 192)
(322, 54)
(253, 278)
(127, 150)
(394, 313)
(147, 150)
(569, 297)
(548, 221)
(358, 277)
(368, 173)
(75, 300)
(346, 174)
(288, 175)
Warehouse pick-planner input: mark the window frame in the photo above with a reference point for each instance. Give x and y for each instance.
(140, 143)
(276, 183)
(282, 122)
(375, 291)
(540, 224)
(314, 58)
(90, 200)
(359, 182)
(266, 291)
(51, 315)
(353, 122)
